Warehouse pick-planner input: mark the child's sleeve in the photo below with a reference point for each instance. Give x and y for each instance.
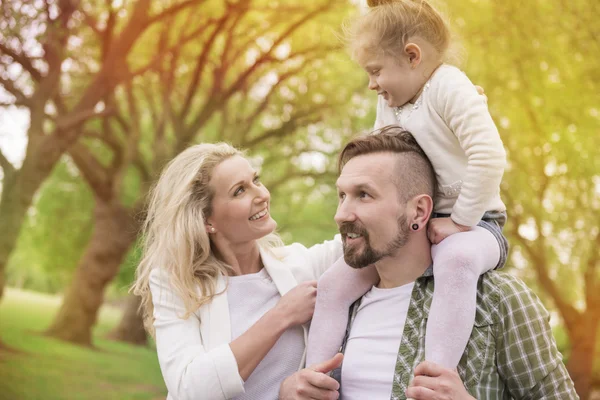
(466, 113)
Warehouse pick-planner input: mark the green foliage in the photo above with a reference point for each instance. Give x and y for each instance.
(541, 76)
(55, 233)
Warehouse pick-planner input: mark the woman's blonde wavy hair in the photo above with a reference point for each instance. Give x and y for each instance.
(174, 235)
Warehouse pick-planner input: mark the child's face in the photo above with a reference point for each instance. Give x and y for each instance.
(394, 79)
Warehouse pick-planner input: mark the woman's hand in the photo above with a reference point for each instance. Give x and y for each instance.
(296, 307)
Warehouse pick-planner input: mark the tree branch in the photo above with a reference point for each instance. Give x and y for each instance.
(74, 120)
(267, 55)
(286, 128)
(91, 21)
(171, 11)
(251, 120)
(274, 185)
(23, 60)
(220, 70)
(108, 32)
(157, 59)
(592, 289)
(200, 66)
(110, 140)
(6, 165)
(539, 263)
(130, 149)
(92, 170)
(10, 87)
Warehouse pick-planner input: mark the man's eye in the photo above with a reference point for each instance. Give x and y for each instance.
(364, 195)
(342, 196)
(256, 179)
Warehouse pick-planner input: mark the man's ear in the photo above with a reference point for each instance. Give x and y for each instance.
(419, 210)
(413, 52)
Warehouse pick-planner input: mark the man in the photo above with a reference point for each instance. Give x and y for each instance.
(385, 188)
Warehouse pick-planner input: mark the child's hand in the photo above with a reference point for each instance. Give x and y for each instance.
(481, 93)
(440, 228)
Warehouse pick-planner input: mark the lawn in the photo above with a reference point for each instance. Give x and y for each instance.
(48, 369)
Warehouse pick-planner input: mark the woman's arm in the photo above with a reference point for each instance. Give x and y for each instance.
(310, 263)
(190, 371)
(294, 308)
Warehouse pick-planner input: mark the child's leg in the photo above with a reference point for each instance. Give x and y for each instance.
(337, 289)
(458, 261)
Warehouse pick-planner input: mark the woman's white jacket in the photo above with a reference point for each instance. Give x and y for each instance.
(194, 354)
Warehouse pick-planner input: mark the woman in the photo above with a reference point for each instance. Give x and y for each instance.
(226, 302)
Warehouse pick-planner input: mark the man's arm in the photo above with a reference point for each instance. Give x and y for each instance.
(528, 359)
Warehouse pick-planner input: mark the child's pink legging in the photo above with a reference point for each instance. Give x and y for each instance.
(458, 261)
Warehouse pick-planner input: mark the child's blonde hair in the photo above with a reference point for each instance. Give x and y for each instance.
(389, 24)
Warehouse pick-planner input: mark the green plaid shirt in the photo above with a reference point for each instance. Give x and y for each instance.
(511, 353)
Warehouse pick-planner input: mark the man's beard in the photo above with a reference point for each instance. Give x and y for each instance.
(368, 256)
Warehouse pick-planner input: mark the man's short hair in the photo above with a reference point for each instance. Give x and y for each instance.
(414, 172)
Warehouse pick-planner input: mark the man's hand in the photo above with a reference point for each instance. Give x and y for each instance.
(312, 382)
(434, 382)
(440, 228)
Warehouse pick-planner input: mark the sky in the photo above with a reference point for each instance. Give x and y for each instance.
(13, 138)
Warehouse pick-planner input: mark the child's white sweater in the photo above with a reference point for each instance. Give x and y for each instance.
(451, 122)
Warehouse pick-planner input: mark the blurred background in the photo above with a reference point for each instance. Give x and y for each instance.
(97, 95)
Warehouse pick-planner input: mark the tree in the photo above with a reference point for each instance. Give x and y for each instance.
(242, 67)
(56, 229)
(37, 46)
(542, 78)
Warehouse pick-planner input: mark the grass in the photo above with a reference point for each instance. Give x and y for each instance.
(49, 369)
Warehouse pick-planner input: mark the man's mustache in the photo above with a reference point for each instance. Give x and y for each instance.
(352, 227)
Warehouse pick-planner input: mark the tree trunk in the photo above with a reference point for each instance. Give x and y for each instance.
(580, 364)
(12, 215)
(131, 328)
(114, 232)
(18, 190)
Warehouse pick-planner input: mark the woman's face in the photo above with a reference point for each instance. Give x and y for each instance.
(240, 206)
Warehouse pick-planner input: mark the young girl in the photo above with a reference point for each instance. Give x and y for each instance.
(402, 44)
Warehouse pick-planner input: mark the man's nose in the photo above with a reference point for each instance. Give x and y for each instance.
(344, 213)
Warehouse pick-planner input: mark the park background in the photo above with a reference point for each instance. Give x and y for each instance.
(97, 95)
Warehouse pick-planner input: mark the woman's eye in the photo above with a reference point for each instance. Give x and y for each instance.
(257, 179)
(238, 191)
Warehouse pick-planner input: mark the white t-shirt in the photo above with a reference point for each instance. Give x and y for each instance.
(372, 348)
(250, 297)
